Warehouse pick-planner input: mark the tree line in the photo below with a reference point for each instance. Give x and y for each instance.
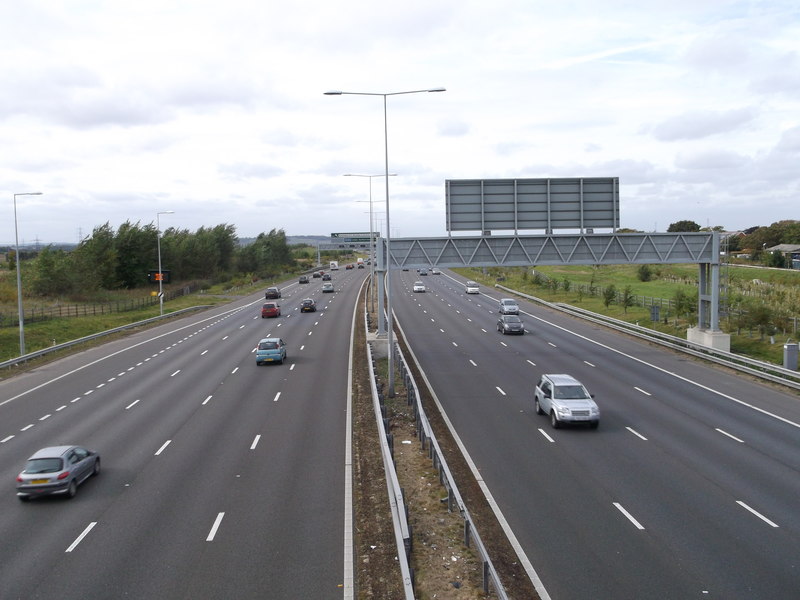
(112, 259)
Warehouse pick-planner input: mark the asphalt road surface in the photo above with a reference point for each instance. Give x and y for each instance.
(220, 479)
(690, 487)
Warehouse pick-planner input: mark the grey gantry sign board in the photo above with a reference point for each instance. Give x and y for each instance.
(487, 205)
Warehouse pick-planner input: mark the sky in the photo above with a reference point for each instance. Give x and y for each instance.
(117, 111)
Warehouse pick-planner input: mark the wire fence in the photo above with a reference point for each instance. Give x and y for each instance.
(43, 313)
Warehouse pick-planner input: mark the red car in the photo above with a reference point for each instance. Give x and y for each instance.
(270, 309)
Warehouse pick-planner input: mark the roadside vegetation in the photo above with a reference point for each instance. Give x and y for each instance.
(107, 281)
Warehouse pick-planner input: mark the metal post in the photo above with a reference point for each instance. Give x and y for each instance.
(19, 274)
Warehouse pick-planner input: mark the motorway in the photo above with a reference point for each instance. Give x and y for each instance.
(690, 488)
(220, 479)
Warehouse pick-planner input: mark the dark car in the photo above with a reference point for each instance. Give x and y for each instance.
(56, 470)
(308, 305)
(270, 309)
(326, 277)
(316, 274)
(272, 293)
(510, 324)
(303, 279)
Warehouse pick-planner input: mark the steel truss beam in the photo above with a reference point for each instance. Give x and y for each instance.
(700, 248)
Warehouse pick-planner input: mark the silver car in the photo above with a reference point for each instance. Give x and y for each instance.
(508, 306)
(565, 400)
(56, 470)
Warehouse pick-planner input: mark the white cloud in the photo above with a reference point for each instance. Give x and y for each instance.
(116, 111)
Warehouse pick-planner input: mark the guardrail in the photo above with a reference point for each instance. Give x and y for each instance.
(454, 500)
(26, 357)
(757, 368)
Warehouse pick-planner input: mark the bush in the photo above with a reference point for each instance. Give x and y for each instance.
(644, 273)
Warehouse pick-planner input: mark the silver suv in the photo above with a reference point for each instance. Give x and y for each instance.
(565, 400)
(508, 306)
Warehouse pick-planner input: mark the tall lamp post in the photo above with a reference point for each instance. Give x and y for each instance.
(371, 232)
(19, 273)
(388, 229)
(158, 243)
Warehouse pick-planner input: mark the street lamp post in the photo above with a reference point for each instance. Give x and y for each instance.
(158, 243)
(371, 236)
(19, 273)
(388, 230)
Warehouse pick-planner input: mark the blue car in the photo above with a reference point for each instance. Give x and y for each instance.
(270, 350)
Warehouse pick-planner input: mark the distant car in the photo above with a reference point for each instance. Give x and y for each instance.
(303, 279)
(423, 271)
(435, 271)
(419, 286)
(565, 400)
(270, 310)
(316, 274)
(326, 277)
(471, 288)
(348, 267)
(272, 293)
(308, 305)
(510, 324)
(56, 470)
(405, 268)
(270, 350)
(361, 265)
(327, 288)
(508, 306)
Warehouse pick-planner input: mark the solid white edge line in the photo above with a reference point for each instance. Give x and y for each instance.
(348, 568)
(125, 349)
(512, 539)
(666, 372)
(628, 515)
(758, 514)
(214, 527)
(81, 536)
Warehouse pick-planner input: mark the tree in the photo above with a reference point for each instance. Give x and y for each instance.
(54, 273)
(683, 226)
(95, 259)
(609, 295)
(627, 299)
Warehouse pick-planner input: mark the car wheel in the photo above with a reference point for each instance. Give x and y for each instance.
(24, 498)
(258, 364)
(96, 470)
(539, 410)
(554, 420)
(594, 424)
(72, 489)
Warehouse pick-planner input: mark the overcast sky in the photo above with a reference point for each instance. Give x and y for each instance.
(215, 110)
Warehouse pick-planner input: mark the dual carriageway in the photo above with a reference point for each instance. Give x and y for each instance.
(224, 478)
